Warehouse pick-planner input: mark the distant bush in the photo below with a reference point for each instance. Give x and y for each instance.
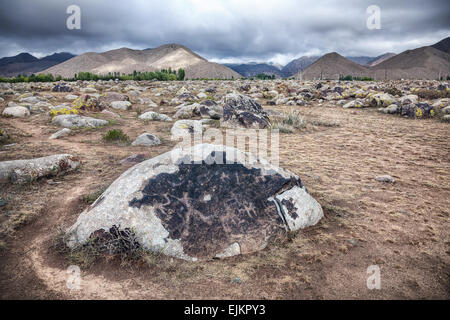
(180, 74)
(116, 135)
(163, 75)
(351, 78)
(263, 76)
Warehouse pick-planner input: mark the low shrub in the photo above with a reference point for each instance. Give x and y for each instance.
(116, 135)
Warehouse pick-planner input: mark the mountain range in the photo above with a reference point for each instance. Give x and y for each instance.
(126, 61)
(26, 64)
(429, 62)
(251, 69)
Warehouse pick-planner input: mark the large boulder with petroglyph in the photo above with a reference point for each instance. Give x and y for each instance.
(199, 203)
(241, 111)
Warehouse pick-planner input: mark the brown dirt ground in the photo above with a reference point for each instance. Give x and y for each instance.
(402, 227)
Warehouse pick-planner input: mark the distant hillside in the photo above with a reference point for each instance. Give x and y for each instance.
(252, 69)
(126, 61)
(297, 65)
(443, 45)
(26, 64)
(20, 58)
(379, 59)
(332, 66)
(362, 60)
(421, 63)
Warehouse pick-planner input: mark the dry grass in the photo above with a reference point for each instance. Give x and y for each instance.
(403, 227)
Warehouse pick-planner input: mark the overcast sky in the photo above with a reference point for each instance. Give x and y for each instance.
(224, 31)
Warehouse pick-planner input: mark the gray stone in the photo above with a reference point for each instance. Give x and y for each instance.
(16, 112)
(151, 115)
(61, 133)
(187, 111)
(385, 178)
(210, 109)
(358, 103)
(31, 100)
(182, 128)
(22, 171)
(174, 204)
(76, 121)
(146, 139)
(392, 109)
(242, 111)
(446, 110)
(121, 105)
(3, 136)
(71, 97)
(134, 158)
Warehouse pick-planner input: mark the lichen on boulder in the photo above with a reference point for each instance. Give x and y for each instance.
(202, 202)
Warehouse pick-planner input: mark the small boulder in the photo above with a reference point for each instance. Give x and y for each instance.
(16, 112)
(121, 105)
(385, 178)
(146, 139)
(134, 158)
(242, 111)
(77, 121)
(23, 171)
(61, 133)
(151, 115)
(183, 128)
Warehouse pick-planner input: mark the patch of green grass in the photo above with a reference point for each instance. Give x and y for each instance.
(116, 135)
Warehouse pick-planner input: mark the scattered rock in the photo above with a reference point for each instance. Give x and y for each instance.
(133, 159)
(354, 104)
(385, 178)
(121, 105)
(76, 121)
(61, 133)
(71, 97)
(146, 139)
(62, 87)
(419, 110)
(22, 171)
(16, 112)
(242, 111)
(151, 115)
(3, 202)
(182, 128)
(187, 111)
(446, 110)
(110, 113)
(3, 136)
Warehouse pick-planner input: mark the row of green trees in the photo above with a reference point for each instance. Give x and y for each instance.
(163, 75)
(351, 78)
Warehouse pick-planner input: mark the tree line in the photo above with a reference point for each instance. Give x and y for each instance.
(162, 75)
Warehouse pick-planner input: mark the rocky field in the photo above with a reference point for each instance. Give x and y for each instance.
(375, 156)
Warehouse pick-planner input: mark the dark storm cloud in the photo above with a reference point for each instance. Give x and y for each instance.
(223, 30)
